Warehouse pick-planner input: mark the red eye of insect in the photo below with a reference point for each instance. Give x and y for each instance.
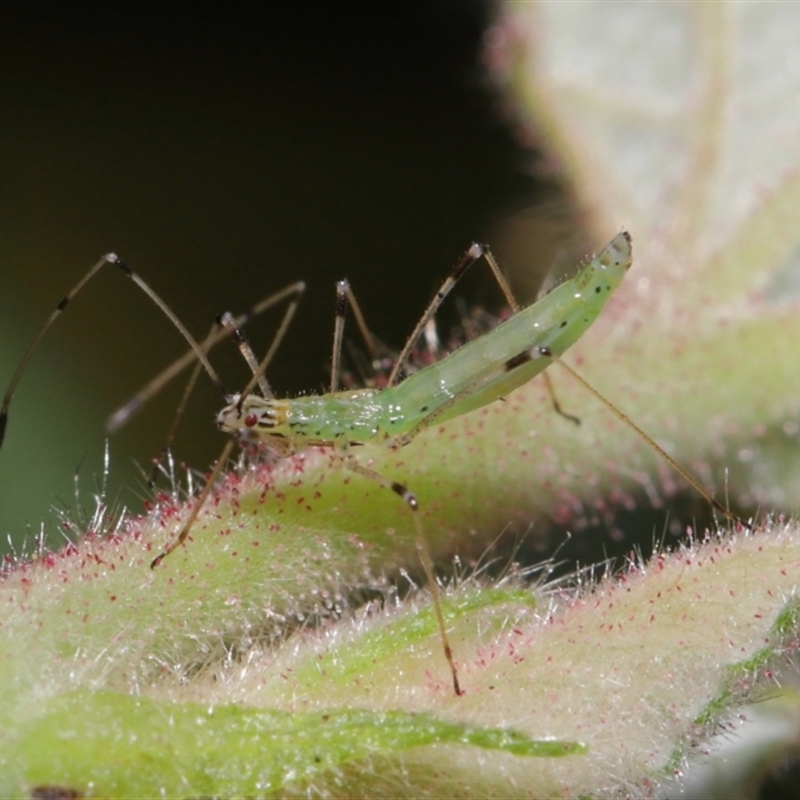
(250, 420)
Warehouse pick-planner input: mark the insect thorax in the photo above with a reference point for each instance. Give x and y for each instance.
(342, 417)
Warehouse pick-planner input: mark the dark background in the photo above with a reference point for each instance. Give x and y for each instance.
(224, 151)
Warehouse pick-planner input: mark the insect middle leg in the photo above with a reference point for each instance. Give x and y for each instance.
(344, 296)
(421, 544)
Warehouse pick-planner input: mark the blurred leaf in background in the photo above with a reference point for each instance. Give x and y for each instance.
(679, 122)
(223, 153)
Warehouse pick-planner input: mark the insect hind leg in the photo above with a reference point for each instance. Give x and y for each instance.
(473, 253)
(421, 543)
(556, 404)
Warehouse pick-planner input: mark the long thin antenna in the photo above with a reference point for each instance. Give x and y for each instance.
(169, 314)
(109, 258)
(173, 428)
(59, 309)
(124, 413)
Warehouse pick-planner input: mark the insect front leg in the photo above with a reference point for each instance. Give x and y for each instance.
(421, 543)
(198, 505)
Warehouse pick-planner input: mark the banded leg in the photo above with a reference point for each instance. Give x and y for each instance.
(344, 295)
(627, 421)
(346, 298)
(473, 253)
(421, 543)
